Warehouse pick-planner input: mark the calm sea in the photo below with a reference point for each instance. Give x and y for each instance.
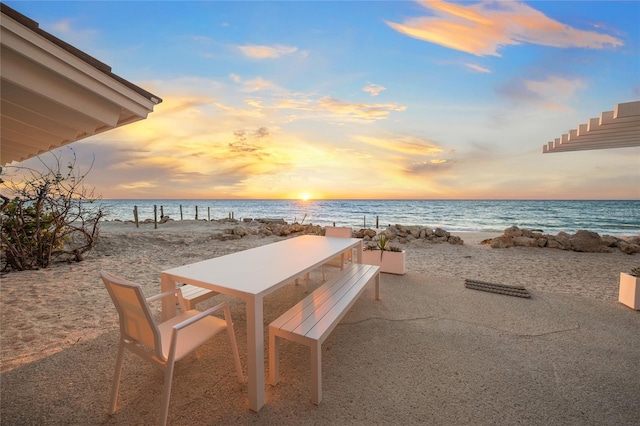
(604, 217)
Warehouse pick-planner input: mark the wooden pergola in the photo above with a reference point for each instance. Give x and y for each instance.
(619, 128)
(53, 94)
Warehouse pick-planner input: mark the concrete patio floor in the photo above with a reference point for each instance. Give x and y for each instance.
(430, 352)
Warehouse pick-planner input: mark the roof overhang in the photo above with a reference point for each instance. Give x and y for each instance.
(53, 94)
(619, 128)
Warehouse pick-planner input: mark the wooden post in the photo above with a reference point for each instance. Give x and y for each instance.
(209, 214)
(365, 222)
(135, 216)
(377, 222)
(155, 217)
(161, 212)
(196, 212)
(180, 211)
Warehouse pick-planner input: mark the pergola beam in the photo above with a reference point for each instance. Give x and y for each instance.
(619, 128)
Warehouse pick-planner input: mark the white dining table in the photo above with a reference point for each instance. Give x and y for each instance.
(251, 275)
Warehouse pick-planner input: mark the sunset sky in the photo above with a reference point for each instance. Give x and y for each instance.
(358, 99)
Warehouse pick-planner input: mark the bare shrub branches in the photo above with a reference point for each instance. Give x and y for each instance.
(48, 216)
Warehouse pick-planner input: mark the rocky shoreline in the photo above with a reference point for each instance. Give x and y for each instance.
(581, 241)
(278, 227)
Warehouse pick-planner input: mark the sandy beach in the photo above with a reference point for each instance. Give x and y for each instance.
(55, 311)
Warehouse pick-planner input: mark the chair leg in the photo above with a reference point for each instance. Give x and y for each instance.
(316, 372)
(234, 345)
(115, 387)
(166, 392)
(274, 358)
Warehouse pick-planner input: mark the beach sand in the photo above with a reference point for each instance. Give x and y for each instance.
(55, 310)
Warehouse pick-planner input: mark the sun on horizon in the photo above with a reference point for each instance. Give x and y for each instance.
(305, 196)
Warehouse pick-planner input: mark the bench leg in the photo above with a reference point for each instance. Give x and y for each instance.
(274, 358)
(306, 281)
(316, 372)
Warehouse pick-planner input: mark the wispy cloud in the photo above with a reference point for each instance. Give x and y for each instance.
(429, 166)
(374, 89)
(71, 32)
(552, 93)
(312, 106)
(477, 68)
(408, 145)
(257, 84)
(358, 110)
(269, 52)
(485, 27)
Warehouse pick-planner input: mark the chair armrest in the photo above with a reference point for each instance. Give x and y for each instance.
(175, 292)
(198, 317)
(178, 327)
(164, 294)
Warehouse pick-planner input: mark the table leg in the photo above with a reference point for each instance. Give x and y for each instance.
(255, 352)
(169, 302)
(359, 252)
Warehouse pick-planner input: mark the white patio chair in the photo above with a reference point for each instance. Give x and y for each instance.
(165, 343)
(338, 261)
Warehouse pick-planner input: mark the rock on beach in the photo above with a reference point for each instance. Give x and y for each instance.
(581, 241)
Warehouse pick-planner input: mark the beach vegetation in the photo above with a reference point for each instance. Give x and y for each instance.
(382, 244)
(635, 272)
(48, 215)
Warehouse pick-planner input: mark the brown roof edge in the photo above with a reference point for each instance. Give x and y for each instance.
(100, 66)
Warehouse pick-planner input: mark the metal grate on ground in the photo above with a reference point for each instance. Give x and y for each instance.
(508, 290)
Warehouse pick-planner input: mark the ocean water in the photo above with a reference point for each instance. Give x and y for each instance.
(603, 217)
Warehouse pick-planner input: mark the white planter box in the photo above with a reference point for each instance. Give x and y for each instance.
(392, 261)
(629, 291)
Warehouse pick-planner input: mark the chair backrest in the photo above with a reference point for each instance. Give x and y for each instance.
(136, 320)
(335, 231)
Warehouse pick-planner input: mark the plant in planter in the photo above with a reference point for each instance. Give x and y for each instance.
(630, 289)
(392, 262)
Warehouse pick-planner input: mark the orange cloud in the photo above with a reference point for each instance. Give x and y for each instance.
(374, 89)
(483, 28)
(358, 110)
(268, 52)
(402, 144)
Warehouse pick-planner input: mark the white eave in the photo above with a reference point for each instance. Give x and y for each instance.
(53, 94)
(619, 128)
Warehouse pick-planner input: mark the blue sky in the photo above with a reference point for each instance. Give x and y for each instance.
(359, 99)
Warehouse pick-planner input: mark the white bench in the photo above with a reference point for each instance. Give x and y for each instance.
(311, 320)
(193, 294)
